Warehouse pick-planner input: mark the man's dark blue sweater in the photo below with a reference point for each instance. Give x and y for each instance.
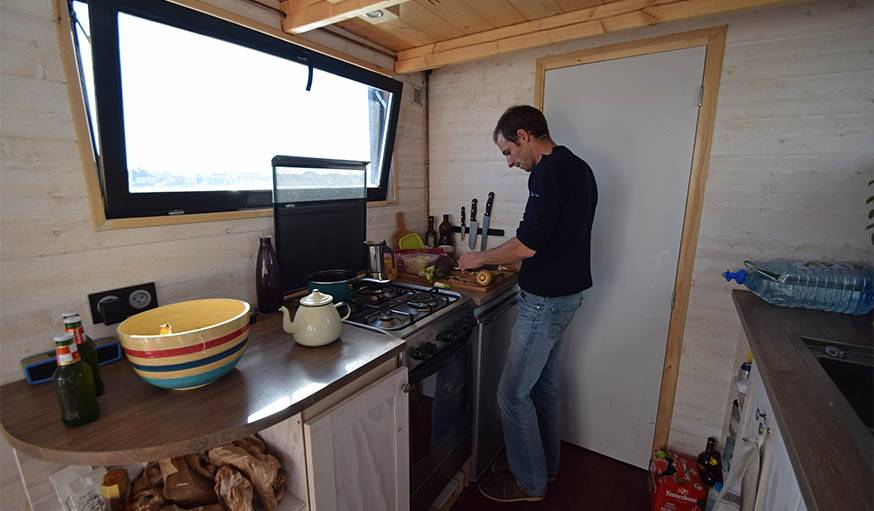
(557, 225)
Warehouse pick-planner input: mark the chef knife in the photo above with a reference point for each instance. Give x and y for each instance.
(463, 220)
(487, 217)
(471, 241)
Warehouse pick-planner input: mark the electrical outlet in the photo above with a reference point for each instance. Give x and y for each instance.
(136, 298)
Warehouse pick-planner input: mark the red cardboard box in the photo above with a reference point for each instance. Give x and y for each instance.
(675, 483)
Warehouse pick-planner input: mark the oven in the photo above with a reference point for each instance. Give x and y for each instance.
(437, 326)
(440, 403)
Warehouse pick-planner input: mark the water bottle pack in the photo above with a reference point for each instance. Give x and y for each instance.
(826, 286)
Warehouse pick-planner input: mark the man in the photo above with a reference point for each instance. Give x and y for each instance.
(553, 245)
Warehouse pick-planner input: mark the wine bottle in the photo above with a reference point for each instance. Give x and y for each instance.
(431, 236)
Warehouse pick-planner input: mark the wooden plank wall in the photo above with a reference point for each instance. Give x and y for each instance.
(50, 257)
(792, 153)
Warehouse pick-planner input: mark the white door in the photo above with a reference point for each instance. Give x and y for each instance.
(633, 120)
(358, 451)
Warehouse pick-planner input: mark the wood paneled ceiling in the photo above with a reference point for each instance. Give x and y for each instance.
(427, 34)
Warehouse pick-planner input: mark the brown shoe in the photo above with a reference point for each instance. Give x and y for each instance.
(500, 466)
(505, 488)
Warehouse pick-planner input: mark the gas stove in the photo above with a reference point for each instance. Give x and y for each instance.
(429, 319)
(399, 308)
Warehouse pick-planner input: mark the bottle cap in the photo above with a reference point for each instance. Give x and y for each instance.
(739, 276)
(65, 338)
(68, 314)
(69, 320)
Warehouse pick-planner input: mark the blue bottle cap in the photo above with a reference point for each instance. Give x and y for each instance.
(739, 276)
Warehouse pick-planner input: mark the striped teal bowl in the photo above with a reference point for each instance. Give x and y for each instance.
(207, 339)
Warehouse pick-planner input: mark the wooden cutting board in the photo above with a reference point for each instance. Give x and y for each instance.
(462, 280)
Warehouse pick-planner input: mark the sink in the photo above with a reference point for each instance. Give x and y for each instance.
(850, 367)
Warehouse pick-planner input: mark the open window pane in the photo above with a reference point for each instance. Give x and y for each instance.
(82, 34)
(201, 114)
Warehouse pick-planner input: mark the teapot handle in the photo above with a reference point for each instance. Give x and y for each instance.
(348, 309)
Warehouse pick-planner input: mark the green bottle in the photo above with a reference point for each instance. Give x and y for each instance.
(74, 384)
(87, 348)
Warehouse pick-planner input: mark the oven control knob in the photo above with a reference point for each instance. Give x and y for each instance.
(429, 348)
(417, 354)
(446, 336)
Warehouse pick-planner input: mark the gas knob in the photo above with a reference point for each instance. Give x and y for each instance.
(429, 348)
(445, 337)
(417, 354)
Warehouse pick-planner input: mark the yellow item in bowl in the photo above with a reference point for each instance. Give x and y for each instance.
(206, 339)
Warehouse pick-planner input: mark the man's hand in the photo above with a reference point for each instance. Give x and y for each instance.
(471, 261)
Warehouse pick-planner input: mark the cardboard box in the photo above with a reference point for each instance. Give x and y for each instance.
(674, 482)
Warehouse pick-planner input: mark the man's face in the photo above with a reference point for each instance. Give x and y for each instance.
(518, 154)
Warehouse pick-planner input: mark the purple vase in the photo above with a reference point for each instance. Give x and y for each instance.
(267, 282)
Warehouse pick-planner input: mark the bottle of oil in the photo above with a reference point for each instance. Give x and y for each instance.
(87, 348)
(74, 384)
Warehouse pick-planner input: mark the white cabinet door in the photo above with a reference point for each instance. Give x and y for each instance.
(358, 451)
(778, 488)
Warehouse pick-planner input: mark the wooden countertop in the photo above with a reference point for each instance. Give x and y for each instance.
(275, 379)
(829, 463)
(479, 297)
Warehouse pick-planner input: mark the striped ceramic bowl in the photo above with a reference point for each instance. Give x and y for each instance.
(206, 339)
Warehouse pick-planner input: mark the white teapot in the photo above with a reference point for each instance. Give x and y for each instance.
(316, 321)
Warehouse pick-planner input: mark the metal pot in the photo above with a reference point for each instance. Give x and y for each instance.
(337, 283)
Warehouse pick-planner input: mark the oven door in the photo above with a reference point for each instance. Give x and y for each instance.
(441, 418)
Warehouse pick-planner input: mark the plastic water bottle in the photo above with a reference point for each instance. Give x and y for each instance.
(825, 286)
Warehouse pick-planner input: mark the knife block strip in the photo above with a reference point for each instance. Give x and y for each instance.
(492, 232)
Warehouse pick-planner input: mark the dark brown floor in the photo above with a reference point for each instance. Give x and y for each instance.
(586, 481)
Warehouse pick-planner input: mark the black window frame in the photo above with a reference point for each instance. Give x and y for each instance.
(118, 201)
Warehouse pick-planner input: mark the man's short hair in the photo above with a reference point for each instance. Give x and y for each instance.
(518, 117)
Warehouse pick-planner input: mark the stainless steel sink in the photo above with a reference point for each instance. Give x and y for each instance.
(850, 367)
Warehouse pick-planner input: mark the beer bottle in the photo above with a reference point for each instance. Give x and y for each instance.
(87, 348)
(74, 384)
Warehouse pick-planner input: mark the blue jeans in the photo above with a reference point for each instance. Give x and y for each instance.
(529, 393)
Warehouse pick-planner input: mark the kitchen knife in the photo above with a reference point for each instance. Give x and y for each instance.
(471, 242)
(463, 220)
(487, 217)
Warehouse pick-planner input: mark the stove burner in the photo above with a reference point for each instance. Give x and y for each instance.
(388, 320)
(423, 301)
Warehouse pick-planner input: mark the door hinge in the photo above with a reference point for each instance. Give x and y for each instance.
(701, 95)
(673, 299)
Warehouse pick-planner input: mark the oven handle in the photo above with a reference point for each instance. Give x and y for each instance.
(435, 363)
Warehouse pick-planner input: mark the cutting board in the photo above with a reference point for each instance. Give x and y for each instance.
(462, 280)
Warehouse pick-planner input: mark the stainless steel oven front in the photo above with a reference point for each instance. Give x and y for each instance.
(440, 403)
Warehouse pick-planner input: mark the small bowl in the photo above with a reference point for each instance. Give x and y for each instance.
(208, 339)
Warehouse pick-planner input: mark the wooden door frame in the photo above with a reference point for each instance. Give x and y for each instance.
(714, 41)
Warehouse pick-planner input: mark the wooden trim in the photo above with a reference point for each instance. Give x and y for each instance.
(218, 12)
(714, 40)
(612, 17)
(77, 110)
(305, 15)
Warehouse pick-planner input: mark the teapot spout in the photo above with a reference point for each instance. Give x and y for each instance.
(287, 324)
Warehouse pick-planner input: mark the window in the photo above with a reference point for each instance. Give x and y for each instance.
(190, 109)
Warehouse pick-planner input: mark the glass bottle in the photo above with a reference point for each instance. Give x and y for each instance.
(267, 284)
(431, 236)
(86, 347)
(709, 464)
(445, 230)
(74, 384)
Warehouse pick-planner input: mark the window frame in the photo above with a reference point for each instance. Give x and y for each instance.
(118, 201)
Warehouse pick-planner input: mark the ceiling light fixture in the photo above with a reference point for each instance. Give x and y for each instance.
(375, 14)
